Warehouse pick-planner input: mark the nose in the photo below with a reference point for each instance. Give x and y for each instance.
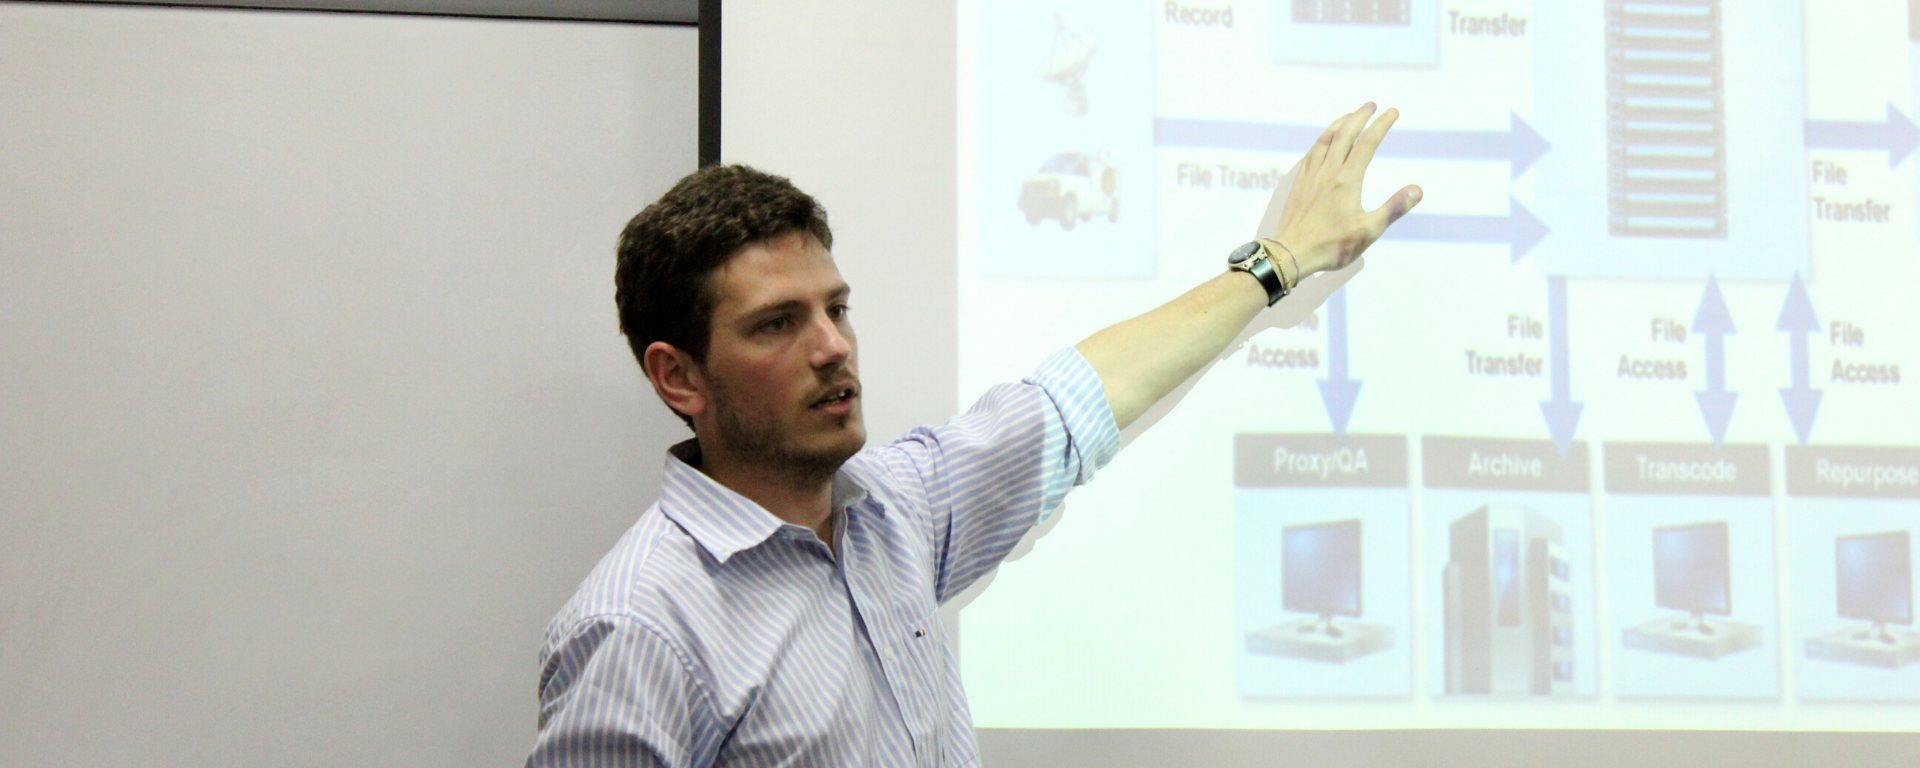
(833, 342)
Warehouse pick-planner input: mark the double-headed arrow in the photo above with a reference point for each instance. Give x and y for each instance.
(1337, 391)
(1562, 413)
(1797, 319)
(1519, 145)
(1715, 322)
(1519, 230)
(1897, 135)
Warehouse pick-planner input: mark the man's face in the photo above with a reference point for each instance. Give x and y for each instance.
(781, 368)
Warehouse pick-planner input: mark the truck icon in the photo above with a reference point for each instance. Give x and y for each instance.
(1071, 187)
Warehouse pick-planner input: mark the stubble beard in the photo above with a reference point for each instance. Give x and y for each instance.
(763, 445)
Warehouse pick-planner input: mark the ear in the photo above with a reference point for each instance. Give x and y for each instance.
(676, 379)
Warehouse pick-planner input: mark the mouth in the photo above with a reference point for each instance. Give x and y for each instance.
(838, 399)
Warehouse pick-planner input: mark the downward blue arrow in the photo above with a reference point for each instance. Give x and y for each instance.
(1562, 413)
(1519, 145)
(1797, 319)
(1898, 135)
(1337, 391)
(1713, 320)
(1518, 230)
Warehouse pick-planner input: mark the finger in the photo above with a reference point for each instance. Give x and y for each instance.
(1349, 130)
(1317, 154)
(1394, 208)
(1369, 142)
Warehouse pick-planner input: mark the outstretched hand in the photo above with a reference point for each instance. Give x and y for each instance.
(1323, 223)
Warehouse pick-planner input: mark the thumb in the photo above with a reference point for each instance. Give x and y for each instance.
(1397, 206)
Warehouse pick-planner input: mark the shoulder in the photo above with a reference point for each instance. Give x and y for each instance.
(894, 475)
(635, 585)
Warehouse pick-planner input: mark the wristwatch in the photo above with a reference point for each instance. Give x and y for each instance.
(1255, 259)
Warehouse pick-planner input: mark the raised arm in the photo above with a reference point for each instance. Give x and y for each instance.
(1142, 359)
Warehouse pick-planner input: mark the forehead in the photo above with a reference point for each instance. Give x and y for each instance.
(790, 267)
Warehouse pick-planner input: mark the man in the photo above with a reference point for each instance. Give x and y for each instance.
(778, 604)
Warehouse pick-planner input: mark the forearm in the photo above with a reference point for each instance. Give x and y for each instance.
(1142, 359)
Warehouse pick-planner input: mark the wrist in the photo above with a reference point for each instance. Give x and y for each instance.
(1309, 257)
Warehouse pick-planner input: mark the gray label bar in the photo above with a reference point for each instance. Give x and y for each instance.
(1509, 465)
(1318, 460)
(1854, 471)
(1688, 469)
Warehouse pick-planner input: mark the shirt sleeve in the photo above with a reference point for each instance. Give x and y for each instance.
(986, 476)
(614, 693)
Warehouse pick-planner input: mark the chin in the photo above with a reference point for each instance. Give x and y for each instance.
(852, 436)
(831, 444)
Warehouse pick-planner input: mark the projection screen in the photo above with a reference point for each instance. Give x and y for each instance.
(1610, 433)
(1614, 415)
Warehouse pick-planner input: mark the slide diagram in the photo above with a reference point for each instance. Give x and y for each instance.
(1320, 572)
(1072, 108)
(1852, 513)
(1630, 378)
(1691, 570)
(1508, 536)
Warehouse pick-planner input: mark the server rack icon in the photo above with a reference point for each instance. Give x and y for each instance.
(1508, 600)
(1394, 12)
(1666, 119)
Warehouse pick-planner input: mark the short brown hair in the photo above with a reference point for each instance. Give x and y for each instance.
(669, 250)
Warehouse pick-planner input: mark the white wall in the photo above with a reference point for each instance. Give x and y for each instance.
(853, 100)
(313, 406)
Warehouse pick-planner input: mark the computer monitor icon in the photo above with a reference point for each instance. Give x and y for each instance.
(1320, 572)
(1320, 575)
(1691, 572)
(1874, 573)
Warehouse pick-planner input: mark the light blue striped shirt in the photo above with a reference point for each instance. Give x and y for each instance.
(716, 634)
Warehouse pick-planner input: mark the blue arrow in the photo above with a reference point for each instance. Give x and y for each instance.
(1898, 135)
(1797, 319)
(1337, 391)
(1519, 145)
(1713, 320)
(1562, 413)
(1519, 230)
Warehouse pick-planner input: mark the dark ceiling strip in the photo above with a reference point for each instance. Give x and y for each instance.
(709, 82)
(621, 11)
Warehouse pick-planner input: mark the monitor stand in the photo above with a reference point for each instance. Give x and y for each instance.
(1692, 635)
(1324, 626)
(1697, 625)
(1319, 639)
(1873, 646)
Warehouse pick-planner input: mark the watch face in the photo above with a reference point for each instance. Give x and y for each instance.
(1243, 253)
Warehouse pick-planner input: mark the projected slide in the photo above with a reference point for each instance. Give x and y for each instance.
(1611, 432)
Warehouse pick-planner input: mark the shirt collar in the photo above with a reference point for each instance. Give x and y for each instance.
(722, 521)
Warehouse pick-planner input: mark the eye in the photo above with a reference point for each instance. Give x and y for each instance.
(776, 324)
(838, 311)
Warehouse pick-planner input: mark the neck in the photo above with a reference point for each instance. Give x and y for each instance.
(797, 497)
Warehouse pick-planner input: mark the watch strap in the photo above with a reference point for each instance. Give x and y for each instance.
(1262, 268)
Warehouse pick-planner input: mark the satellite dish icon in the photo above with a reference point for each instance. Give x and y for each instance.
(1067, 63)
